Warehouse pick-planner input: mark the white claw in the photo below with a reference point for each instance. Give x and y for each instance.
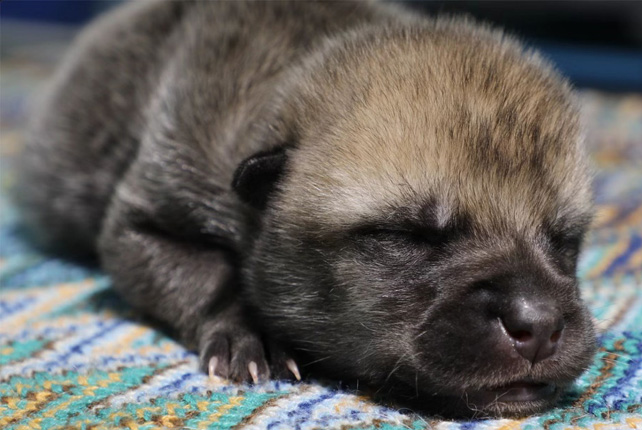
(293, 368)
(254, 371)
(212, 368)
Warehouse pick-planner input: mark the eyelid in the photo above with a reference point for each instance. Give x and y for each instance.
(568, 242)
(391, 230)
(374, 231)
(564, 237)
(417, 235)
(567, 232)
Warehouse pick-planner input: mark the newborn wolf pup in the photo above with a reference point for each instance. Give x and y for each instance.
(340, 187)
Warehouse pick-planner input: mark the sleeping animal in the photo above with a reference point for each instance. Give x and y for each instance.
(342, 188)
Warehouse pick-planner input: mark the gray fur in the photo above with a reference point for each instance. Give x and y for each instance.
(376, 119)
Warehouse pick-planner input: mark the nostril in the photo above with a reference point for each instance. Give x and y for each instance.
(521, 335)
(518, 330)
(555, 337)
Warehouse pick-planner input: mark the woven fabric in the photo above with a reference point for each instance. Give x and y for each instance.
(72, 355)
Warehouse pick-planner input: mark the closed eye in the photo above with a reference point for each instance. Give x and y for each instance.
(423, 237)
(566, 242)
(566, 248)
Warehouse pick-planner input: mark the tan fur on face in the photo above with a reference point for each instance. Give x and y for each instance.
(447, 112)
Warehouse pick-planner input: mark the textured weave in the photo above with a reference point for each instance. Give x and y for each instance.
(72, 355)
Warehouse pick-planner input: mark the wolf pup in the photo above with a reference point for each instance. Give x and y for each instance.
(343, 187)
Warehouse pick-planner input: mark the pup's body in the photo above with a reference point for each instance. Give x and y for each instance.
(394, 198)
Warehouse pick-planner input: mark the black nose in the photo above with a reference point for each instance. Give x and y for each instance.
(535, 328)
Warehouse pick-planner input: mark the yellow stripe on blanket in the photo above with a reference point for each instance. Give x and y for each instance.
(49, 300)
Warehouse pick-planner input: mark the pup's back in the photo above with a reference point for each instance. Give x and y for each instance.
(217, 63)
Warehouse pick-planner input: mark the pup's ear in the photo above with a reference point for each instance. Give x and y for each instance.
(256, 177)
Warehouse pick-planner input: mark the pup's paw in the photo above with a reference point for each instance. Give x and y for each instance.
(282, 365)
(238, 354)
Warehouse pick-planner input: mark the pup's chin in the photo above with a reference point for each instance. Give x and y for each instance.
(516, 399)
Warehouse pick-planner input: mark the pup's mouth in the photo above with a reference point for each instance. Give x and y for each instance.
(518, 398)
(515, 392)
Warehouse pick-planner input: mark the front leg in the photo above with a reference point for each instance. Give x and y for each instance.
(193, 287)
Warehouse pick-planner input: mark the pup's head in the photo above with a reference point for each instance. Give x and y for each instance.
(424, 227)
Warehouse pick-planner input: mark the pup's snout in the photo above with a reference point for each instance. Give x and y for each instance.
(535, 328)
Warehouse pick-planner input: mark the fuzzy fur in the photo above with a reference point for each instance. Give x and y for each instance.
(401, 181)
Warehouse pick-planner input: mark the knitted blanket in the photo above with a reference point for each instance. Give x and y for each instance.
(72, 355)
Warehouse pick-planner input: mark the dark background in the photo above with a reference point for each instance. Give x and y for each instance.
(597, 44)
